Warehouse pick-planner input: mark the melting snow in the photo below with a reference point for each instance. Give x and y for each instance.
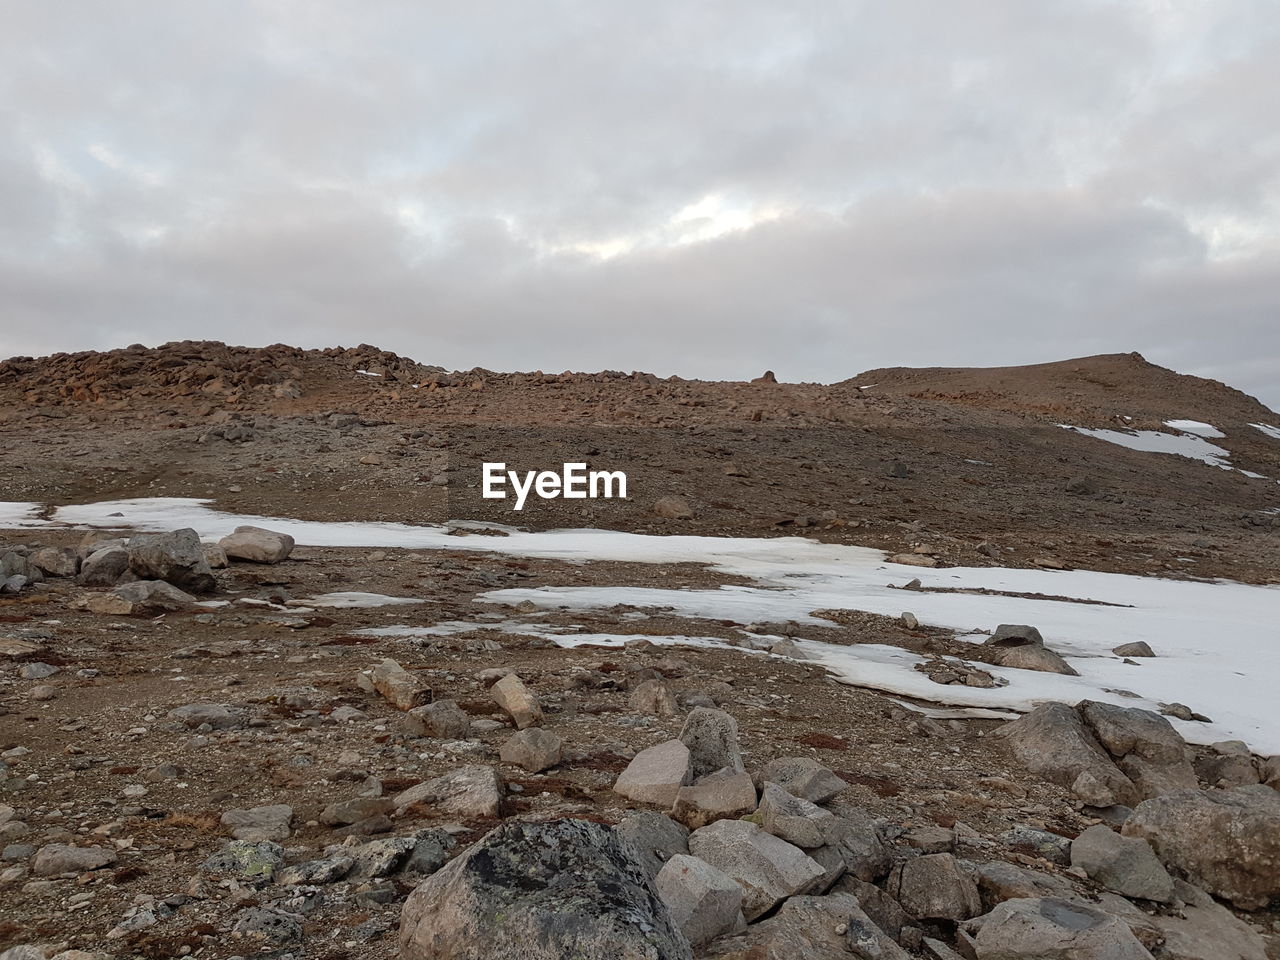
(353, 599)
(16, 516)
(1270, 431)
(1217, 643)
(1206, 430)
(1153, 441)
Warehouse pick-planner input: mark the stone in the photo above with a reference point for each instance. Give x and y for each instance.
(703, 902)
(1053, 742)
(37, 671)
(215, 555)
(1132, 731)
(802, 777)
(1226, 841)
(999, 881)
(811, 928)
(472, 791)
(342, 813)
(398, 686)
(219, 716)
(673, 508)
(854, 836)
(1022, 647)
(1048, 928)
(520, 703)
(143, 596)
(176, 558)
(655, 837)
(1139, 648)
(656, 775)
(104, 567)
(1205, 930)
(1125, 865)
(1038, 843)
(256, 545)
(541, 891)
(56, 561)
(767, 868)
(655, 698)
(269, 822)
(267, 925)
(712, 738)
(718, 795)
(443, 719)
(533, 749)
(794, 819)
(326, 870)
(54, 859)
(380, 858)
(934, 887)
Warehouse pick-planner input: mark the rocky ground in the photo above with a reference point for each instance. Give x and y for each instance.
(264, 776)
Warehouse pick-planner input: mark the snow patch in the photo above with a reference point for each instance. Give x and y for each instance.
(1206, 430)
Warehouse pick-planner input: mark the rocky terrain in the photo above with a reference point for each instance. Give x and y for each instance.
(242, 746)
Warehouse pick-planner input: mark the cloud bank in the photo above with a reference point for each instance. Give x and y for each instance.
(702, 189)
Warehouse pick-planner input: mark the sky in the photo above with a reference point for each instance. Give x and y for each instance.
(703, 189)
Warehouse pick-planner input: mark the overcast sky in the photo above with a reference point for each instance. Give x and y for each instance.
(706, 189)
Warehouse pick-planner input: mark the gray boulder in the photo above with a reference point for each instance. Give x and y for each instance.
(811, 928)
(1126, 865)
(655, 837)
(443, 719)
(471, 791)
(57, 858)
(712, 738)
(104, 567)
(704, 903)
(1226, 841)
(541, 891)
(1205, 930)
(656, 775)
(177, 558)
(256, 545)
(934, 887)
(56, 561)
(716, 796)
(259, 823)
(802, 777)
(533, 749)
(1022, 647)
(1053, 742)
(1048, 928)
(768, 869)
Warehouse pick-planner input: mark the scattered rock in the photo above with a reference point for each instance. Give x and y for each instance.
(534, 749)
(1049, 928)
(934, 887)
(704, 903)
(712, 738)
(1126, 865)
(54, 859)
(716, 796)
(176, 557)
(1139, 648)
(673, 508)
(802, 777)
(655, 837)
(656, 775)
(398, 686)
(473, 791)
(767, 868)
(443, 719)
(270, 822)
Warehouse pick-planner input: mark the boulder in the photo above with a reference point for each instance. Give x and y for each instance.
(712, 738)
(654, 697)
(1053, 742)
(534, 749)
(342, 813)
(219, 716)
(1139, 648)
(259, 823)
(1226, 841)
(934, 887)
(704, 903)
(1022, 647)
(256, 545)
(104, 567)
(1205, 930)
(794, 819)
(398, 686)
(521, 703)
(802, 777)
(1048, 928)
(718, 795)
(1144, 744)
(443, 719)
(541, 891)
(1125, 865)
(811, 928)
(862, 851)
(656, 775)
(142, 596)
(473, 791)
(56, 561)
(176, 558)
(254, 862)
(54, 859)
(655, 837)
(768, 869)
(673, 508)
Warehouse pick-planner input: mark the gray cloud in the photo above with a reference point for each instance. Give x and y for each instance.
(702, 189)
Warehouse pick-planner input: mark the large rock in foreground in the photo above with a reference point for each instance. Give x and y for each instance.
(1227, 841)
(541, 891)
(1053, 742)
(1046, 928)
